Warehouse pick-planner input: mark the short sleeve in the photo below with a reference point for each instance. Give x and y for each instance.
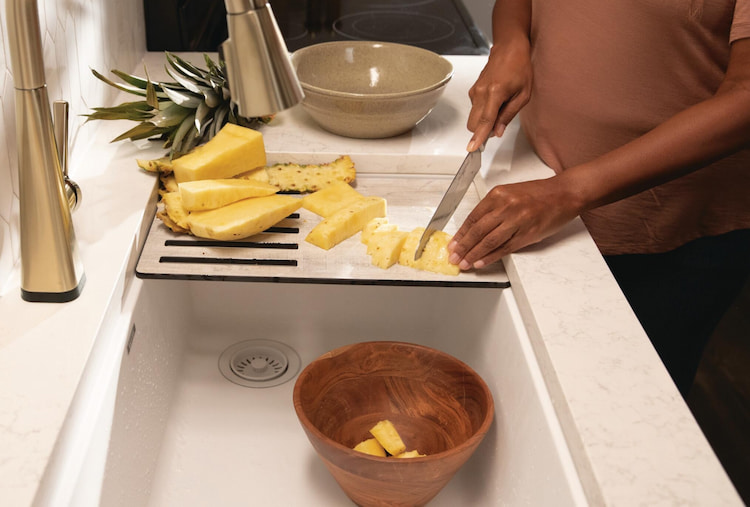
(741, 21)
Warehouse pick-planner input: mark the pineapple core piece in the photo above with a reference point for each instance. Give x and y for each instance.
(233, 150)
(327, 201)
(311, 177)
(435, 255)
(386, 434)
(210, 194)
(384, 247)
(370, 446)
(243, 218)
(346, 222)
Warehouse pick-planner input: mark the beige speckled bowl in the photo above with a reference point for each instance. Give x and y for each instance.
(370, 89)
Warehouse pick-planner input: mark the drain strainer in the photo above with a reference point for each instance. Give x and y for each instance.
(259, 363)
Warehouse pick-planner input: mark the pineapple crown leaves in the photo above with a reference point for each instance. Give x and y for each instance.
(183, 113)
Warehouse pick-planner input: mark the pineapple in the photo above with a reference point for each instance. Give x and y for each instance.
(376, 224)
(346, 222)
(162, 165)
(385, 247)
(184, 113)
(243, 218)
(257, 174)
(327, 201)
(232, 151)
(410, 454)
(386, 434)
(435, 255)
(210, 194)
(168, 183)
(370, 446)
(311, 178)
(173, 213)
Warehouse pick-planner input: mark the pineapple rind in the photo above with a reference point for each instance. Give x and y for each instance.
(388, 437)
(243, 218)
(257, 174)
(370, 446)
(211, 194)
(233, 150)
(173, 213)
(435, 255)
(290, 177)
(327, 201)
(161, 165)
(346, 222)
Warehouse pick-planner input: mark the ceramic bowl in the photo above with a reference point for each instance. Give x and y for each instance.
(438, 404)
(370, 89)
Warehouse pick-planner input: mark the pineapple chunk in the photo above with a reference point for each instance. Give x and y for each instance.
(370, 446)
(311, 177)
(435, 255)
(161, 165)
(325, 202)
(346, 222)
(385, 247)
(376, 224)
(174, 214)
(243, 218)
(210, 194)
(388, 437)
(410, 454)
(233, 150)
(257, 174)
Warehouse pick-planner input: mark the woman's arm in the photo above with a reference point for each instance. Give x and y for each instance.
(511, 217)
(504, 85)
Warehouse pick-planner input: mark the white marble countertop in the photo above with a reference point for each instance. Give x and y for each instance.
(632, 437)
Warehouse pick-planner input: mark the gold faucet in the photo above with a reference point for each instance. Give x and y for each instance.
(51, 270)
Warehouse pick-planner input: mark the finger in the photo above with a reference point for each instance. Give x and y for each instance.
(491, 247)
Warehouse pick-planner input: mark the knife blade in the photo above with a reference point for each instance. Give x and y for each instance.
(452, 197)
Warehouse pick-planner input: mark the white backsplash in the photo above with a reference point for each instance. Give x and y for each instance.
(77, 35)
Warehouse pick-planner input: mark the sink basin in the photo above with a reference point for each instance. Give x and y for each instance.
(173, 427)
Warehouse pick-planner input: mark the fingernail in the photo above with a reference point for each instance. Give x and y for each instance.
(452, 245)
(464, 265)
(500, 130)
(472, 145)
(454, 258)
(479, 265)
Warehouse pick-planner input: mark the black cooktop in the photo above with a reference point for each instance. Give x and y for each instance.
(442, 26)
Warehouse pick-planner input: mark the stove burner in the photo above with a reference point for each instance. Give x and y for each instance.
(393, 26)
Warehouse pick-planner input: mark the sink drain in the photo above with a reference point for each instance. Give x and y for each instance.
(259, 363)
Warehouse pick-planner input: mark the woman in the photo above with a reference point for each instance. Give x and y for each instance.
(642, 109)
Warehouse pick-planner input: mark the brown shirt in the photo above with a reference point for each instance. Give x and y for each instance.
(606, 72)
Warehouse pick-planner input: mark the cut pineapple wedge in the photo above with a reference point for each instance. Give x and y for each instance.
(242, 219)
(311, 177)
(257, 174)
(386, 434)
(411, 454)
(346, 222)
(233, 150)
(211, 194)
(376, 224)
(327, 201)
(435, 255)
(370, 446)
(384, 247)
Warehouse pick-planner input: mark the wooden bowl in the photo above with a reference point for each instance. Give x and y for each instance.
(438, 404)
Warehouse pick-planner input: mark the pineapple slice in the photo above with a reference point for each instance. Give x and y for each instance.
(388, 437)
(376, 224)
(257, 174)
(243, 218)
(311, 177)
(435, 255)
(325, 202)
(233, 150)
(411, 454)
(370, 446)
(210, 194)
(168, 183)
(161, 165)
(173, 213)
(384, 247)
(346, 222)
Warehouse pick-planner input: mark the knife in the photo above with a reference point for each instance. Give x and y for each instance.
(452, 197)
